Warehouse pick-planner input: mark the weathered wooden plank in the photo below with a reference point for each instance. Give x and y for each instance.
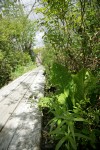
(5, 91)
(23, 128)
(10, 103)
(28, 133)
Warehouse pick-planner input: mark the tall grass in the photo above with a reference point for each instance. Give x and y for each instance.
(20, 70)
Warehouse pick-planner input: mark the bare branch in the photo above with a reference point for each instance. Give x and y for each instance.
(31, 9)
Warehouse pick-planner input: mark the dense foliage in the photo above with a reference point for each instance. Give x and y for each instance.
(71, 58)
(17, 34)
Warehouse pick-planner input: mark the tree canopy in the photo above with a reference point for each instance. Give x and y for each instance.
(72, 59)
(17, 37)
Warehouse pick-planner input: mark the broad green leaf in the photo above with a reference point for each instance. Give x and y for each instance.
(62, 98)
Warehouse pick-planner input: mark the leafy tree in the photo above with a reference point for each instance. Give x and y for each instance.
(72, 31)
(16, 40)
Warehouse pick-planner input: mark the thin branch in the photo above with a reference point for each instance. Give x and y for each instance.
(31, 9)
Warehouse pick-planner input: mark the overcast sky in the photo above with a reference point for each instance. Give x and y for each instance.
(28, 5)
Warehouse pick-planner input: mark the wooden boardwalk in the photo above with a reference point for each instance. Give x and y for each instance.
(20, 118)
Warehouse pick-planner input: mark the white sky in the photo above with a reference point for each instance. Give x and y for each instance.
(28, 5)
(39, 40)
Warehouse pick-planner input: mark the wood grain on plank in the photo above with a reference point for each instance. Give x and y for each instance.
(23, 127)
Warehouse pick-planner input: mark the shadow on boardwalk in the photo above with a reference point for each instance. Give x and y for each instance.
(21, 130)
(24, 134)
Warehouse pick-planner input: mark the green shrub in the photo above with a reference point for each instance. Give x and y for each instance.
(5, 72)
(9, 62)
(76, 121)
(22, 69)
(18, 58)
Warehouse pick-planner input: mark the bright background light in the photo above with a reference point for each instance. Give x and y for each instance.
(33, 16)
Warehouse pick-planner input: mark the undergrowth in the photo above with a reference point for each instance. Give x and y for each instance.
(73, 101)
(20, 70)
